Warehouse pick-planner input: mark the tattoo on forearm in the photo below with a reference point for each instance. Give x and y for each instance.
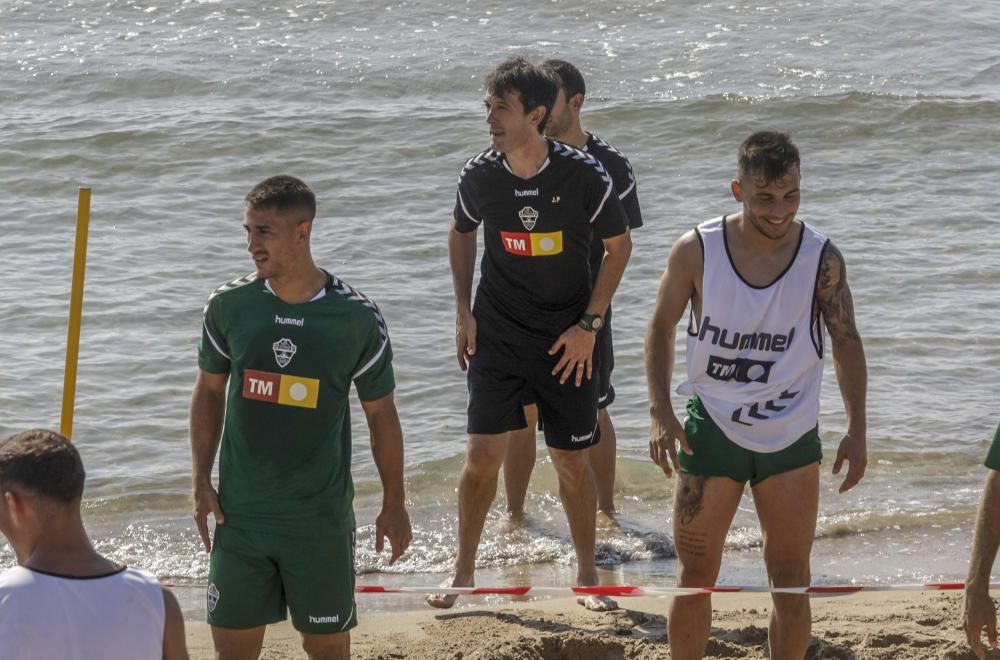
(687, 501)
(834, 296)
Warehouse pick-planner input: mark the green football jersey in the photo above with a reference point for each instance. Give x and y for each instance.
(993, 456)
(285, 458)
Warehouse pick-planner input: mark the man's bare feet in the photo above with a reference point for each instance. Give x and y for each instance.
(515, 519)
(598, 603)
(445, 601)
(608, 520)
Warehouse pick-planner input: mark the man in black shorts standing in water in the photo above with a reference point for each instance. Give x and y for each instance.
(564, 125)
(536, 316)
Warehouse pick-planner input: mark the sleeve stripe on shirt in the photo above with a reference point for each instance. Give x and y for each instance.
(465, 209)
(346, 290)
(218, 348)
(607, 193)
(482, 158)
(250, 277)
(577, 154)
(368, 365)
(628, 165)
(630, 188)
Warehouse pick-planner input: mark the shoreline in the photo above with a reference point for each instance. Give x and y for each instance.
(897, 625)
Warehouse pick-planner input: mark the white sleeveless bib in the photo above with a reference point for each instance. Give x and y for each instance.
(117, 616)
(756, 358)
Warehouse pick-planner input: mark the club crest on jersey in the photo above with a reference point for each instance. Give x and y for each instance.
(529, 217)
(213, 597)
(284, 351)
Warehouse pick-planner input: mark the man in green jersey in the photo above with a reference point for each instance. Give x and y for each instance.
(980, 612)
(289, 340)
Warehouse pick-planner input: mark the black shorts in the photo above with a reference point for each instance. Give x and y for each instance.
(503, 376)
(604, 363)
(605, 357)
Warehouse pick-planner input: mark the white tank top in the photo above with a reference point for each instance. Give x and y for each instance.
(116, 616)
(756, 358)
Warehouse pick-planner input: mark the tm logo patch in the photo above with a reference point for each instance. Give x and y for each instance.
(532, 245)
(282, 389)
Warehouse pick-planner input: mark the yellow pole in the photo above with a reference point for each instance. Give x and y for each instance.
(75, 313)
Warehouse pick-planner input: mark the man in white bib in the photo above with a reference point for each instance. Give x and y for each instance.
(762, 286)
(64, 600)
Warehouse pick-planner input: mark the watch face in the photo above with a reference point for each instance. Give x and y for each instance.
(597, 323)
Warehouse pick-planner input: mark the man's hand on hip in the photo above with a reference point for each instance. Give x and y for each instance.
(577, 346)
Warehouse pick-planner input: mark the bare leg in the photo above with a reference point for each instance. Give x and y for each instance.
(519, 462)
(237, 643)
(336, 646)
(703, 511)
(602, 461)
(579, 498)
(477, 488)
(787, 505)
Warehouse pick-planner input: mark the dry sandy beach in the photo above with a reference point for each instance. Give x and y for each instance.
(897, 626)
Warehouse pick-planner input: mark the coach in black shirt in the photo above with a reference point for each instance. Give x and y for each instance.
(532, 329)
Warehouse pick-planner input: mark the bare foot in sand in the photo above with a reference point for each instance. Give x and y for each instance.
(445, 601)
(598, 603)
(593, 602)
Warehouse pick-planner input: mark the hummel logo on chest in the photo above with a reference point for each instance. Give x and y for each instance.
(526, 193)
(287, 320)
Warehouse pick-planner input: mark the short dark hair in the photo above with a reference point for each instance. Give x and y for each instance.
(285, 194)
(767, 155)
(535, 86)
(570, 78)
(44, 463)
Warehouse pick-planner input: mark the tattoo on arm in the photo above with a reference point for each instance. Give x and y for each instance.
(834, 296)
(687, 501)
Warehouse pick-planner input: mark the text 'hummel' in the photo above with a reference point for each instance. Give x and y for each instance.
(324, 619)
(526, 193)
(286, 320)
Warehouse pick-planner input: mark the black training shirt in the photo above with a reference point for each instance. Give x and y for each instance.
(620, 169)
(535, 278)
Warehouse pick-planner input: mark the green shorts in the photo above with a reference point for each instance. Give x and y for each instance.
(715, 455)
(254, 577)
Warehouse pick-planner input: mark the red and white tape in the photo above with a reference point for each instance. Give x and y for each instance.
(627, 591)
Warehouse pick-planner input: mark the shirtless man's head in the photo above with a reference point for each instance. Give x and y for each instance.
(767, 183)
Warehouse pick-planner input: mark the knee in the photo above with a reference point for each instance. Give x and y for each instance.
(789, 572)
(482, 461)
(697, 574)
(327, 647)
(570, 465)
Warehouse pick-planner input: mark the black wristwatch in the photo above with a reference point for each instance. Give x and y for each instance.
(591, 322)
